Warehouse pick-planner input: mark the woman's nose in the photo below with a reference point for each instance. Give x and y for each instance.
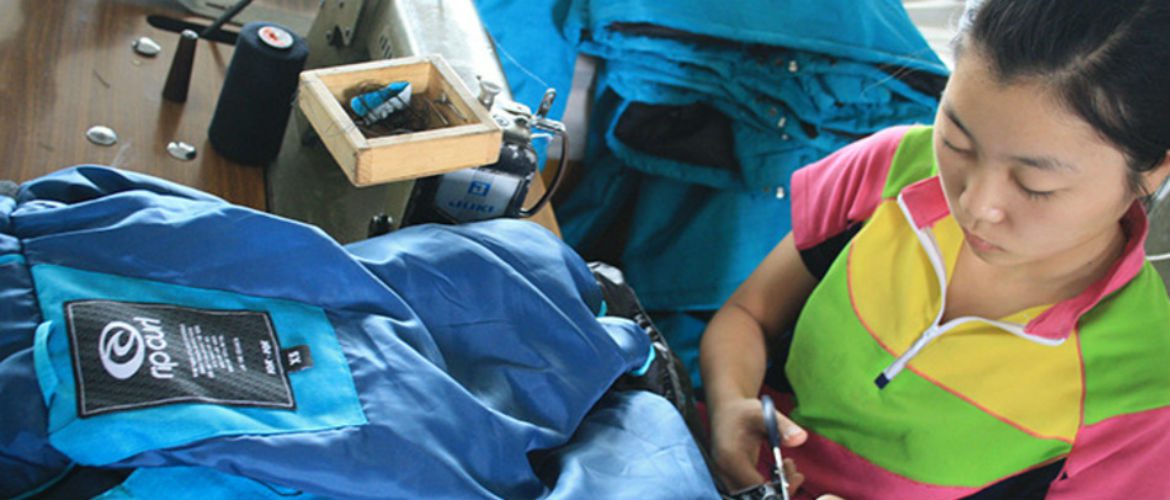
(983, 199)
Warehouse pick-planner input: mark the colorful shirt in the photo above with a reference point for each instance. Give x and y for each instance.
(1069, 400)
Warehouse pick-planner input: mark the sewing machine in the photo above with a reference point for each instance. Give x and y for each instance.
(304, 182)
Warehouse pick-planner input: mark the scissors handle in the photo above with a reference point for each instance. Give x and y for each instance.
(773, 427)
(770, 422)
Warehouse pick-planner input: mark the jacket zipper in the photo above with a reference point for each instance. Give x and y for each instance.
(937, 328)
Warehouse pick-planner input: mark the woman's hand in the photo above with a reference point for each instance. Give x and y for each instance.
(737, 432)
(795, 479)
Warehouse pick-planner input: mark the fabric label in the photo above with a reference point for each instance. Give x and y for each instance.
(297, 358)
(133, 355)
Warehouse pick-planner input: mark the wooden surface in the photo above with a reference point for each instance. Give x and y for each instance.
(66, 65)
(545, 216)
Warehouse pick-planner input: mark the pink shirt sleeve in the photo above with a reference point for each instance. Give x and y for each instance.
(841, 189)
(1123, 457)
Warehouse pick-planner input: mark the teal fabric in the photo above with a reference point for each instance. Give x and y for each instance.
(797, 80)
(531, 50)
(325, 394)
(532, 53)
(876, 31)
(693, 246)
(689, 245)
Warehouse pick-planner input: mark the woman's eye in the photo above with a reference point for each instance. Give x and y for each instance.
(949, 145)
(1036, 195)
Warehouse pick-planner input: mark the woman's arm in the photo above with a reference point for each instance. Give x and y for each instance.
(733, 359)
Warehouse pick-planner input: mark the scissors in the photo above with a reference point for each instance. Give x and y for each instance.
(773, 427)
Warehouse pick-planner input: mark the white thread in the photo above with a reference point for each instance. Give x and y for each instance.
(504, 51)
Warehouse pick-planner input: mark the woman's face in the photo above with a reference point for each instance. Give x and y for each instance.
(1028, 181)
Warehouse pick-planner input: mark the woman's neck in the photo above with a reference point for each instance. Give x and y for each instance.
(1067, 274)
(978, 288)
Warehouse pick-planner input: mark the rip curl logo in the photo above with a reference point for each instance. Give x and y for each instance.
(128, 355)
(121, 349)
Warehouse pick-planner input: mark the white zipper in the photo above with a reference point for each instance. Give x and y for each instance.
(935, 330)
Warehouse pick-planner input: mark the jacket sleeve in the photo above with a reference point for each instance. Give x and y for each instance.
(842, 189)
(1126, 456)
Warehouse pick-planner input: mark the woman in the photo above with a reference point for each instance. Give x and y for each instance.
(970, 307)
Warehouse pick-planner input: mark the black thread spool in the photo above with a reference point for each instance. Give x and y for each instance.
(257, 95)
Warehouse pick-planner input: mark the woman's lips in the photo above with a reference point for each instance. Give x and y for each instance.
(980, 244)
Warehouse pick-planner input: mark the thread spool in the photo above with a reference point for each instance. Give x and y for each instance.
(257, 94)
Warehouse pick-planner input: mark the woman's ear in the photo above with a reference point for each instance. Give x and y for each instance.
(1155, 178)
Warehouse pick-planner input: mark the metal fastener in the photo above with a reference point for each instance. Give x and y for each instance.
(181, 150)
(146, 46)
(101, 135)
(445, 100)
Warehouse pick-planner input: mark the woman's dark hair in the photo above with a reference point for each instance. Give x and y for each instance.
(1107, 60)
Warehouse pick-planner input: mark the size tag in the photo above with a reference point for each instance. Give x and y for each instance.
(297, 358)
(133, 355)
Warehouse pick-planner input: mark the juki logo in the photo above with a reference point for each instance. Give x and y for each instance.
(479, 188)
(474, 207)
(122, 349)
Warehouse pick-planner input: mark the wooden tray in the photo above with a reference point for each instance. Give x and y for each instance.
(469, 138)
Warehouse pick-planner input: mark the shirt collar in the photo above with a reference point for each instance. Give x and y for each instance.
(927, 205)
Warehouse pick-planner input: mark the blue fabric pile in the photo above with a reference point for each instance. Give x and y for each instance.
(702, 114)
(218, 351)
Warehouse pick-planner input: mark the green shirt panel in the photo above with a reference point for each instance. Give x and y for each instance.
(914, 160)
(1125, 343)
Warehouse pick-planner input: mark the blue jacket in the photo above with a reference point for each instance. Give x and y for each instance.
(146, 325)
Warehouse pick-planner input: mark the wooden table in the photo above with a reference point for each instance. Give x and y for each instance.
(66, 65)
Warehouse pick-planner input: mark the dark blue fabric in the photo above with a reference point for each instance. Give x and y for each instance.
(472, 347)
(27, 461)
(19, 315)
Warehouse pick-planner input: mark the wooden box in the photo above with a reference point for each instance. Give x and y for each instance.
(467, 136)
